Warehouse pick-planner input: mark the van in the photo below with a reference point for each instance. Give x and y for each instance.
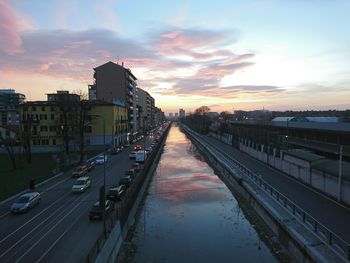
(141, 156)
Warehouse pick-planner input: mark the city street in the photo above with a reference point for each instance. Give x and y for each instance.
(59, 227)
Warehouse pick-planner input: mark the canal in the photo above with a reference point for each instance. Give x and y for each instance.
(189, 215)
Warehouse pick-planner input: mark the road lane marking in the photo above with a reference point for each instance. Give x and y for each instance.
(47, 232)
(2, 240)
(4, 215)
(37, 226)
(58, 239)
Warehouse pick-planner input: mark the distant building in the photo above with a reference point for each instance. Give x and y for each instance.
(43, 122)
(63, 96)
(212, 115)
(9, 102)
(146, 101)
(182, 113)
(114, 82)
(307, 119)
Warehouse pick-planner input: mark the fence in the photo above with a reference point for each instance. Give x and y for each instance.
(328, 237)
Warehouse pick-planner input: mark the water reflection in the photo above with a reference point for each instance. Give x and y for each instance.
(191, 216)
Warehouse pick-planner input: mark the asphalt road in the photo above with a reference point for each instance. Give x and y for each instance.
(327, 211)
(59, 229)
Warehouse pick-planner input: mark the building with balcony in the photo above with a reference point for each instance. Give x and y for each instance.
(146, 102)
(114, 82)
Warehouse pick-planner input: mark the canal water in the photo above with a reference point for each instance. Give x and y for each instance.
(190, 215)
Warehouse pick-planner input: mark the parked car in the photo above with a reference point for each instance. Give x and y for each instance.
(90, 164)
(127, 145)
(125, 180)
(132, 155)
(116, 193)
(96, 211)
(101, 159)
(136, 167)
(131, 172)
(81, 184)
(79, 171)
(25, 202)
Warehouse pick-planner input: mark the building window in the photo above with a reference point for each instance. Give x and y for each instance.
(52, 108)
(52, 117)
(33, 108)
(43, 117)
(43, 128)
(44, 142)
(35, 142)
(52, 128)
(42, 108)
(53, 141)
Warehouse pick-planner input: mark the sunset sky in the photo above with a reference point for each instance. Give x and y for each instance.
(228, 55)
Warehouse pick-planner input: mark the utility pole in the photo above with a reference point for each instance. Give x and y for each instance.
(340, 172)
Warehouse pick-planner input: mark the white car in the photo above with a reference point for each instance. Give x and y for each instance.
(81, 184)
(101, 160)
(25, 202)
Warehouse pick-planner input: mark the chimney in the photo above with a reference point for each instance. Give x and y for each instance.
(122, 64)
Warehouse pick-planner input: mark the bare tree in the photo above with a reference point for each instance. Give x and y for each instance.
(9, 144)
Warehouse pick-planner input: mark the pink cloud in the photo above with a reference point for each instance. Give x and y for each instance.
(10, 40)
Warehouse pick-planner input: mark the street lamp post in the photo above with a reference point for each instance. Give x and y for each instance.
(104, 176)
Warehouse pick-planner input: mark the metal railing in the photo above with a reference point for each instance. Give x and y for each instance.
(328, 237)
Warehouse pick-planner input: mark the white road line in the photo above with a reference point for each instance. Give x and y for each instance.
(28, 250)
(4, 215)
(32, 230)
(2, 240)
(58, 239)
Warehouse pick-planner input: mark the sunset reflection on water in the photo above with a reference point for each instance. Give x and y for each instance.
(190, 215)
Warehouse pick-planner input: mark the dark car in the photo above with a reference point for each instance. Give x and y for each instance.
(79, 171)
(96, 211)
(115, 193)
(126, 180)
(116, 150)
(90, 164)
(131, 172)
(136, 167)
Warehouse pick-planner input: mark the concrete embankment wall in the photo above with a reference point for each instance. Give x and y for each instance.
(111, 248)
(300, 244)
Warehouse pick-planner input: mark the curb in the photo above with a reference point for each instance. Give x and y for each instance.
(40, 184)
(26, 190)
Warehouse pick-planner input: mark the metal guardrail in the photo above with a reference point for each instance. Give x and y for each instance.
(328, 237)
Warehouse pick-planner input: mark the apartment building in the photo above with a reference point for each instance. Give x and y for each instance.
(47, 124)
(9, 101)
(116, 84)
(146, 102)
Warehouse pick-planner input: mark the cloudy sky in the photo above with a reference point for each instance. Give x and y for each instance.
(225, 54)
